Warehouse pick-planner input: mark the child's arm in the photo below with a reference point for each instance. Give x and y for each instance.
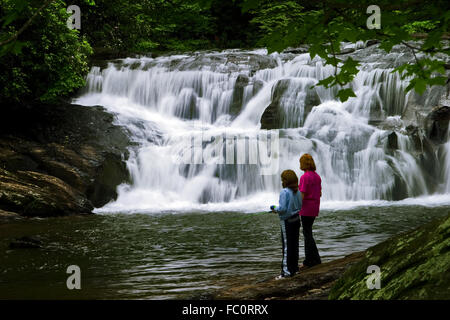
(282, 207)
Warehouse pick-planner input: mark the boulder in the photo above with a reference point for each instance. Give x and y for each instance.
(372, 42)
(257, 85)
(260, 62)
(437, 123)
(60, 159)
(187, 105)
(272, 117)
(312, 99)
(376, 113)
(297, 50)
(238, 94)
(8, 214)
(346, 51)
(392, 141)
(413, 265)
(33, 194)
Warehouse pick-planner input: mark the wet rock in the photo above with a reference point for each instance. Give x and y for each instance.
(372, 42)
(60, 159)
(413, 265)
(238, 94)
(187, 105)
(275, 114)
(311, 283)
(272, 116)
(36, 194)
(312, 99)
(346, 51)
(437, 123)
(392, 141)
(26, 242)
(376, 114)
(260, 62)
(392, 124)
(8, 214)
(111, 173)
(257, 86)
(400, 189)
(298, 50)
(415, 133)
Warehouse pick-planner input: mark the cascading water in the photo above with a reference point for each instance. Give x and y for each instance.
(172, 106)
(446, 161)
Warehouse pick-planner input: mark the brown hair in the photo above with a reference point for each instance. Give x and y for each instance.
(289, 180)
(307, 163)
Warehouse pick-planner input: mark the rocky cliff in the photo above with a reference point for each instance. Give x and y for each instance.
(59, 159)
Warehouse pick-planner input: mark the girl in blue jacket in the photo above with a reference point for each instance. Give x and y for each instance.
(288, 209)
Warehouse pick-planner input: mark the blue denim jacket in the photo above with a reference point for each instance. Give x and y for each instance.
(290, 203)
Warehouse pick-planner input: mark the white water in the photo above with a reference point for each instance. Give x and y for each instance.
(166, 100)
(446, 171)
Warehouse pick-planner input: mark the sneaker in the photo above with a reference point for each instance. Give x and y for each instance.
(279, 277)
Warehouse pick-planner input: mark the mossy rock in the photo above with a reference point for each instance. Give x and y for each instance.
(413, 265)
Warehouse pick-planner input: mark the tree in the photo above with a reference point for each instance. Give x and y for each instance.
(41, 58)
(275, 16)
(323, 25)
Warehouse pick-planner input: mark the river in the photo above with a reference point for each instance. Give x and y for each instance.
(177, 256)
(203, 166)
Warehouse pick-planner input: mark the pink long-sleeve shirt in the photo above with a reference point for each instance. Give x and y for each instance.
(311, 185)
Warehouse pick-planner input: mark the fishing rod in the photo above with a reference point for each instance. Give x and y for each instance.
(260, 213)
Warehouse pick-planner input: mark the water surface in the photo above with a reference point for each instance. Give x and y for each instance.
(179, 255)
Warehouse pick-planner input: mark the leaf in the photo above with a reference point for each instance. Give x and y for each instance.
(420, 85)
(10, 18)
(386, 45)
(344, 94)
(439, 81)
(433, 40)
(250, 5)
(327, 82)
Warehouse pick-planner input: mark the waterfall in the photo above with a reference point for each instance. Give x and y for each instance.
(197, 122)
(446, 161)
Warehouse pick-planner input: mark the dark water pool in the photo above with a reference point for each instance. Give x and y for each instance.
(175, 256)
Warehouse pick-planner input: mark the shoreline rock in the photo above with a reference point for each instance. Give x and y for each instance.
(311, 283)
(60, 159)
(414, 265)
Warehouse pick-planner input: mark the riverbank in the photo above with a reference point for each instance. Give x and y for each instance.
(59, 159)
(413, 265)
(310, 284)
(178, 255)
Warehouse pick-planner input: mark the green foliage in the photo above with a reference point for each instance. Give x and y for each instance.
(324, 25)
(271, 16)
(146, 46)
(420, 26)
(277, 22)
(146, 25)
(47, 60)
(414, 266)
(430, 73)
